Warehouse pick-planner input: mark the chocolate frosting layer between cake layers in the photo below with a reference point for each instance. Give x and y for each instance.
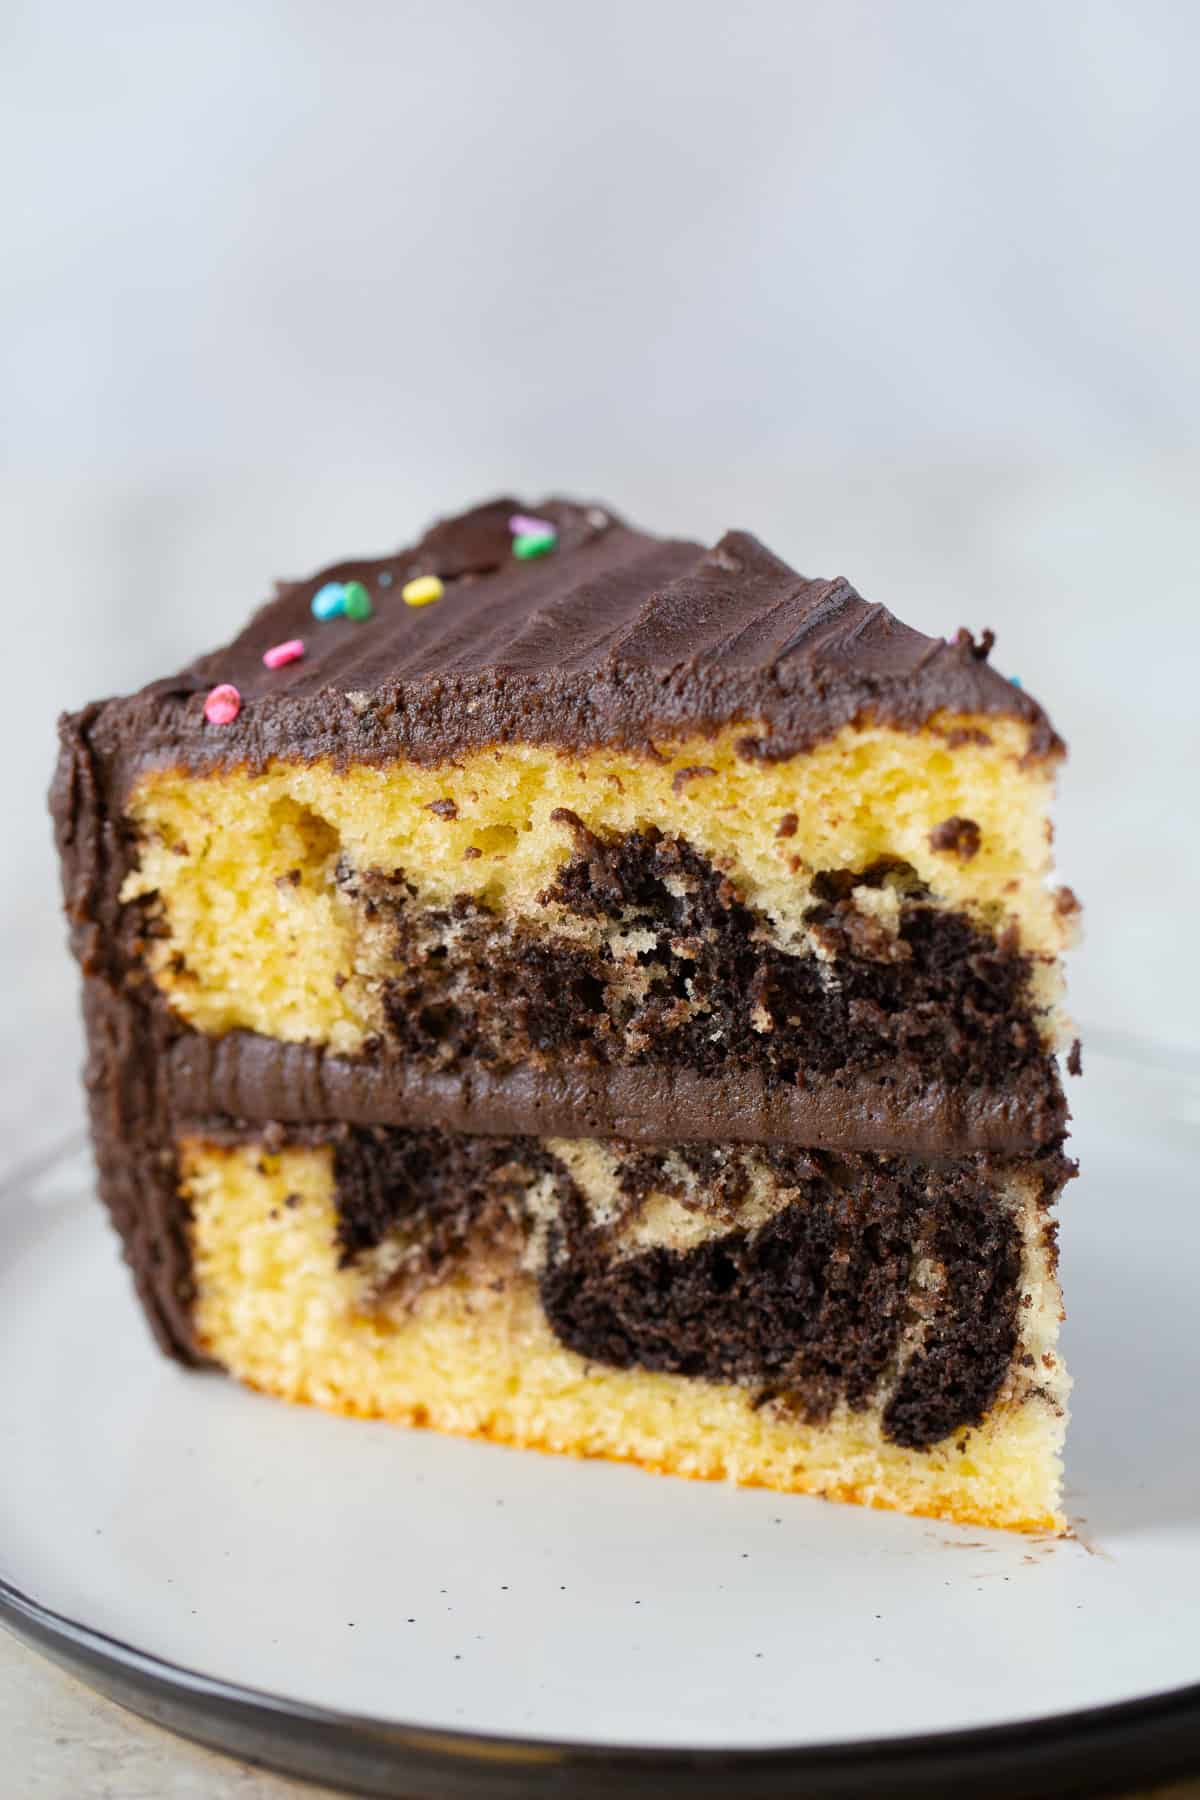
(246, 1076)
(616, 637)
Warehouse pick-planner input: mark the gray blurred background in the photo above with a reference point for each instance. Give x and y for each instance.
(909, 289)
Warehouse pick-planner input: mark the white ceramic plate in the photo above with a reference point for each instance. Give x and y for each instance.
(405, 1613)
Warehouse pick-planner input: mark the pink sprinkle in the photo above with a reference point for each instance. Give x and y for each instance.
(288, 652)
(223, 705)
(521, 525)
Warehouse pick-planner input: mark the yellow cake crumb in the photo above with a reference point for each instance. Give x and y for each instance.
(261, 936)
(478, 1358)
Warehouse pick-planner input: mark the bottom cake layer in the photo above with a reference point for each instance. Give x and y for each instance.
(866, 1328)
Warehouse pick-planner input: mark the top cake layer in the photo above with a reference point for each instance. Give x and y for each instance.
(633, 839)
(614, 638)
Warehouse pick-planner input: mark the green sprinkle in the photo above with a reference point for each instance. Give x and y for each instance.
(534, 543)
(358, 601)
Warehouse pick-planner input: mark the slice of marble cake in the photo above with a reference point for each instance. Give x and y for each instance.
(583, 989)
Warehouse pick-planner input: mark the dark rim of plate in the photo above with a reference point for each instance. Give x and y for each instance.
(1094, 1751)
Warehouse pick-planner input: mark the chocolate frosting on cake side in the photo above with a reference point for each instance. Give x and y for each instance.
(616, 637)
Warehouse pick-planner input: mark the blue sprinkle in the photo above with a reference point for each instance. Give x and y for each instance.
(1014, 681)
(329, 602)
(386, 578)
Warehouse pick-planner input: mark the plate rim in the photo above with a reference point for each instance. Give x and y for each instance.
(1153, 1738)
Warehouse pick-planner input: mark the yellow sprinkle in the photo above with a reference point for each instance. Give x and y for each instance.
(423, 591)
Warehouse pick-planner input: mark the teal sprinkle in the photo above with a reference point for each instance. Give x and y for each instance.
(534, 543)
(329, 602)
(1015, 681)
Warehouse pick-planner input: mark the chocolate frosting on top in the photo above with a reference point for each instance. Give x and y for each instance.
(614, 637)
